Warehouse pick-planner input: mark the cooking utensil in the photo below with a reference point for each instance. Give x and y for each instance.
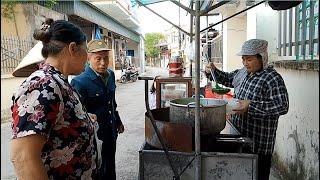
(212, 113)
(217, 89)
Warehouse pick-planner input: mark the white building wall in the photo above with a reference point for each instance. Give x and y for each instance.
(138, 60)
(131, 45)
(234, 34)
(251, 23)
(267, 28)
(262, 23)
(297, 141)
(141, 55)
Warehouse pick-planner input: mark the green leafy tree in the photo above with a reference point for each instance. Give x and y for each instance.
(7, 6)
(151, 42)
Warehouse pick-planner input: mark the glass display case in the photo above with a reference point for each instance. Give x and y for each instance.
(172, 88)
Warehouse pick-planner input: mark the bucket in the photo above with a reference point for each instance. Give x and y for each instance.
(175, 69)
(173, 65)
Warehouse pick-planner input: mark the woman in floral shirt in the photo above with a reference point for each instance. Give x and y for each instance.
(53, 137)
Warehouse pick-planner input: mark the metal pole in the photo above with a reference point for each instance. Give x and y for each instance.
(191, 37)
(197, 93)
(207, 38)
(232, 16)
(191, 11)
(180, 54)
(162, 142)
(207, 43)
(207, 10)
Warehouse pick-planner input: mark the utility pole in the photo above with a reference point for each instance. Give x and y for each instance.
(197, 93)
(191, 37)
(180, 54)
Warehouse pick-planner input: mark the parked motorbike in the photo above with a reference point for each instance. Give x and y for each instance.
(131, 75)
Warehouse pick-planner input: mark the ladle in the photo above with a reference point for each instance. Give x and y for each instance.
(217, 89)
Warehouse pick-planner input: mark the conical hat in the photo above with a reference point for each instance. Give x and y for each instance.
(29, 63)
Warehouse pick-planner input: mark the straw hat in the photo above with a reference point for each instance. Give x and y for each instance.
(29, 63)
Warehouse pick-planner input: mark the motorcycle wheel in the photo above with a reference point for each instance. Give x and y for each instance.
(123, 79)
(134, 78)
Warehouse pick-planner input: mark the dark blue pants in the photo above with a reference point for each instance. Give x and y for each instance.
(264, 165)
(108, 166)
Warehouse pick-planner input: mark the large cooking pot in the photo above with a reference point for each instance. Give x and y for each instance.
(178, 137)
(212, 113)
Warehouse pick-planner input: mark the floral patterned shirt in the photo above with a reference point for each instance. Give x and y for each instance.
(47, 105)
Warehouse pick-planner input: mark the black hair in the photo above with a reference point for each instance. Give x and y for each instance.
(153, 89)
(56, 34)
(259, 56)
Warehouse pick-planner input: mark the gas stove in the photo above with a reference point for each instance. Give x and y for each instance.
(229, 141)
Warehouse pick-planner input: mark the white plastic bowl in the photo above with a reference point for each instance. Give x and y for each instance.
(232, 104)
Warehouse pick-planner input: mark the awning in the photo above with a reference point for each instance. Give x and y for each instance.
(203, 3)
(119, 11)
(91, 13)
(146, 2)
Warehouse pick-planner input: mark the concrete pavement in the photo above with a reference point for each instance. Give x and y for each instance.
(131, 106)
(7, 172)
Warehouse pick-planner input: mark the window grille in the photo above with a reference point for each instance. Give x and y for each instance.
(299, 31)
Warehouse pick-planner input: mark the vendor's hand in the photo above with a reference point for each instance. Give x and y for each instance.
(209, 66)
(242, 107)
(93, 117)
(120, 129)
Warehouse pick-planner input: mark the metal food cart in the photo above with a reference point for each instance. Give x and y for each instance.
(224, 163)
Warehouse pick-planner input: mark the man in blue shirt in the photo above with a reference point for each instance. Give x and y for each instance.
(96, 85)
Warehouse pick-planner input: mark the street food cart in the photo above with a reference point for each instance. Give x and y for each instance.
(226, 155)
(182, 151)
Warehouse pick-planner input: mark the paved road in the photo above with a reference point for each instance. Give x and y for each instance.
(131, 106)
(130, 100)
(6, 166)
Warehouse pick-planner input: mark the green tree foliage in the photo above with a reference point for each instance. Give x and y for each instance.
(151, 42)
(7, 9)
(7, 6)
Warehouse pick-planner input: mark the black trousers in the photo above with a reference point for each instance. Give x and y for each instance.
(108, 166)
(264, 165)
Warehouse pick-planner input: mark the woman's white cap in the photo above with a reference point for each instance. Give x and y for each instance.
(253, 47)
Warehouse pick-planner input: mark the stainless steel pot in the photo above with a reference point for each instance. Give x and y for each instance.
(212, 113)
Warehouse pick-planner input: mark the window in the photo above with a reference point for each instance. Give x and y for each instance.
(130, 53)
(298, 31)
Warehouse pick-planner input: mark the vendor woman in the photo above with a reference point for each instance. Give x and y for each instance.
(263, 97)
